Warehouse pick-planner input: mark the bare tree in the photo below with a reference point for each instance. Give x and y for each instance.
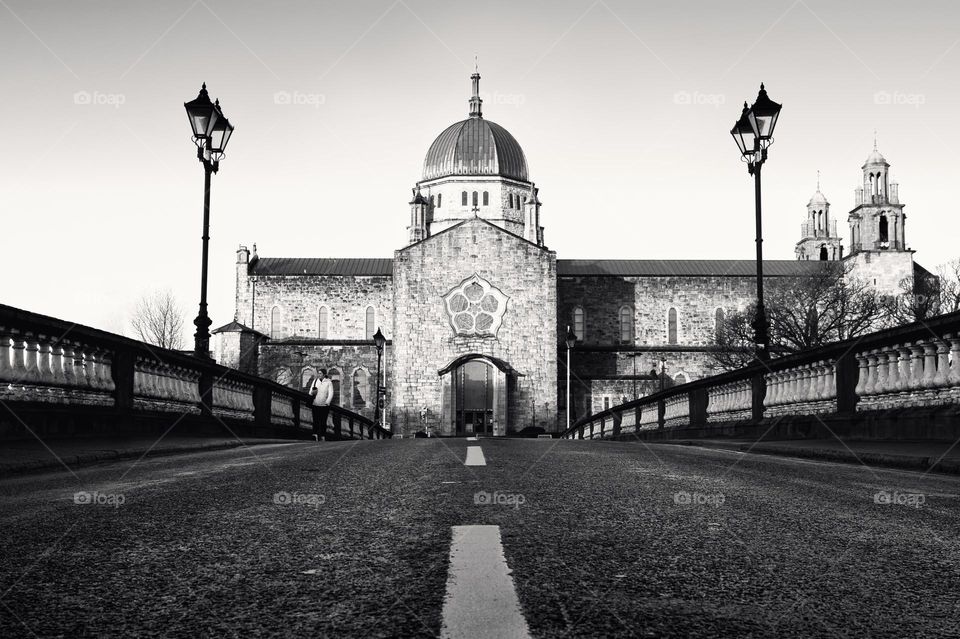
(925, 295)
(158, 320)
(804, 313)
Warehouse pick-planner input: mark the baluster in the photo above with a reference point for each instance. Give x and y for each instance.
(871, 386)
(56, 363)
(929, 364)
(6, 368)
(943, 364)
(95, 372)
(905, 372)
(953, 377)
(83, 366)
(862, 364)
(916, 368)
(830, 381)
(880, 385)
(30, 358)
(43, 360)
(106, 370)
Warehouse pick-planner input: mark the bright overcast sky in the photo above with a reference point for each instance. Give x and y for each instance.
(622, 108)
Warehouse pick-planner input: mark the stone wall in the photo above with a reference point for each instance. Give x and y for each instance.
(527, 340)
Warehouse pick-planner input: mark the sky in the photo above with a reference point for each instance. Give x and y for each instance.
(623, 110)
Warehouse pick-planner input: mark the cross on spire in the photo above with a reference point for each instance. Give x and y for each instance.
(475, 101)
(818, 179)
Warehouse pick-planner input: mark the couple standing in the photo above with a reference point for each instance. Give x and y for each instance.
(322, 391)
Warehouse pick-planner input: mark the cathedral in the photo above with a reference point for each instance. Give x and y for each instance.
(476, 307)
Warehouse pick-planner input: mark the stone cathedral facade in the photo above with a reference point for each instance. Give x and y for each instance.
(476, 306)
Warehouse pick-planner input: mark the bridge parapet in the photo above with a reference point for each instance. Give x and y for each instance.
(58, 378)
(916, 367)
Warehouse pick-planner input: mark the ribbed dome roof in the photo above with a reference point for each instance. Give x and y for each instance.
(475, 147)
(875, 158)
(818, 198)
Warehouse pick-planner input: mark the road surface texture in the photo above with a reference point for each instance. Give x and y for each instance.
(602, 539)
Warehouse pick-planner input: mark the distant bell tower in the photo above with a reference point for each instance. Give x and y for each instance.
(818, 233)
(419, 223)
(877, 221)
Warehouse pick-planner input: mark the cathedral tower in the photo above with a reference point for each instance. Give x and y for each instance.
(878, 248)
(818, 234)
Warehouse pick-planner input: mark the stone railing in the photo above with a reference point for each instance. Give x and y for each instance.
(862, 385)
(63, 379)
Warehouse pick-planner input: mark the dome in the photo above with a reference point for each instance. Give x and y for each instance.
(475, 147)
(818, 198)
(875, 158)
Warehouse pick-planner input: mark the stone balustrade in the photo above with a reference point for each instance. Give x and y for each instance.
(676, 410)
(232, 399)
(628, 421)
(281, 409)
(165, 387)
(37, 367)
(649, 417)
(306, 416)
(801, 390)
(923, 372)
(730, 402)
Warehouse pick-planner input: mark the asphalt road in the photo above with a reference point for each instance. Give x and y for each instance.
(599, 536)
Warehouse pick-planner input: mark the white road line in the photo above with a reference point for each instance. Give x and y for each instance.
(475, 457)
(481, 599)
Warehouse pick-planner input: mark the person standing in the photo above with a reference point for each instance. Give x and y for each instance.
(322, 391)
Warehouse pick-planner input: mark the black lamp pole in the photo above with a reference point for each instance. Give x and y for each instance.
(571, 341)
(211, 132)
(753, 133)
(379, 340)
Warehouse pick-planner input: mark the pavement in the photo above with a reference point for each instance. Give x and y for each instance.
(939, 457)
(355, 539)
(33, 455)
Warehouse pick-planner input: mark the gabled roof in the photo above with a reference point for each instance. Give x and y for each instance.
(359, 266)
(235, 327)
(475, 219)
(685, 268)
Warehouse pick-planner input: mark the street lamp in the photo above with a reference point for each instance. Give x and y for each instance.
(753, 133)
(380, 341)
(211, 132)
(571, 341)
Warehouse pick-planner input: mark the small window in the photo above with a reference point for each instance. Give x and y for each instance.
(511, 200)
(486, 198)
(432, 203)
(371, 322)
(626, 325)
(323, 321)
(277, 329)
(672, 326)
(476, 199)
(718, 321)
(578, 325)
(439, 199)
(463, 198)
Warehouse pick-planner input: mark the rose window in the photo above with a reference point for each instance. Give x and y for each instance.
(475, 307)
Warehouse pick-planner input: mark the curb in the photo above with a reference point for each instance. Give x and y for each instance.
(907, 462)
(86, 459)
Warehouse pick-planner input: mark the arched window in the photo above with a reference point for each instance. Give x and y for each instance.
(371, 322)
(579, 328)
(277, 329)
(323, 322)
(672, 326)
(463, 198)
(884, 233)
(439, 199)
(511, 200)
(307, 376)
(823, 253)
(718, 318)
(431, 202)
(626, 325)
(486, 198)
(476, 198)
(334, 375)
(361, 388)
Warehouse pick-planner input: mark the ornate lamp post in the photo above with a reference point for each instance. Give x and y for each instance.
(380, 341)
(211, 132)
(571, 341)
(753, 134)
(663, 371)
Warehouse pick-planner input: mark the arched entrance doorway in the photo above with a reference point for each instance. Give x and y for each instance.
(475, 391)
(473, 384)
